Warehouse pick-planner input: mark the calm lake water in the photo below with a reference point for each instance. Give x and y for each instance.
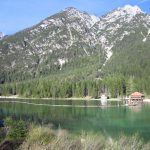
(111, 120)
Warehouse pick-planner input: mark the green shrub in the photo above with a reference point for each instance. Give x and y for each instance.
(16, 130)
(2, 134)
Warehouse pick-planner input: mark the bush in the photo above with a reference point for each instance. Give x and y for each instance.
(41, 135)
(2, 134)
(126, 143)
(16, 130)
(92, 141)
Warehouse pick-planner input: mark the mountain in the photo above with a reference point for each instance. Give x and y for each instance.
(119, 28)
(73, 40)
(129, 41)
(47, 46)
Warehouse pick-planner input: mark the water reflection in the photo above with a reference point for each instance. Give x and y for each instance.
(136, 109)
(104, 100)
(112, 120)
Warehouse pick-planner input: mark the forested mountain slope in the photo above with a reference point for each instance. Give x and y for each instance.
(78, 46)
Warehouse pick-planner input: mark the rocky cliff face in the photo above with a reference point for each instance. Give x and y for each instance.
(68, 36)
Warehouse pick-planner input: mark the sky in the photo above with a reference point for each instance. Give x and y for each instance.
(16, 15)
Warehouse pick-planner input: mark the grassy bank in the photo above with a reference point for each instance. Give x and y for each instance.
(22, 136)
(42, 138)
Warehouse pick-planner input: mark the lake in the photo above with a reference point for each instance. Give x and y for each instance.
(76, 116)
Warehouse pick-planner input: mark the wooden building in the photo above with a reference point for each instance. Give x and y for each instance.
(135, 98)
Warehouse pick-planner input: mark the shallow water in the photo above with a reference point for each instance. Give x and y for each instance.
(109, 120)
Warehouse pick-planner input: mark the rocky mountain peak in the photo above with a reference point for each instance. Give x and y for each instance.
(71, 9)
(131, 9)
(84, 16)
(74, 12)
(126, 13)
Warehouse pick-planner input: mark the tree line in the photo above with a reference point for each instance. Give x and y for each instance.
(114, 86)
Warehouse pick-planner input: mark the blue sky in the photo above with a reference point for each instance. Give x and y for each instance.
(16, 15)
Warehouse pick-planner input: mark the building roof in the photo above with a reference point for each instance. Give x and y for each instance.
(137, 94)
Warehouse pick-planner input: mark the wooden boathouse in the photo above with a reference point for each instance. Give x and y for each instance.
(135, 98)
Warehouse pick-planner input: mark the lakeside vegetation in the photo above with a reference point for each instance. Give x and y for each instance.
(25, 136)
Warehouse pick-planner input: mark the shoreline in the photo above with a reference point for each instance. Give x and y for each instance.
(50, 105)
(73, 98)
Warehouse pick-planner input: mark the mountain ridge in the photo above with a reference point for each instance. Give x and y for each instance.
(68, 37)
